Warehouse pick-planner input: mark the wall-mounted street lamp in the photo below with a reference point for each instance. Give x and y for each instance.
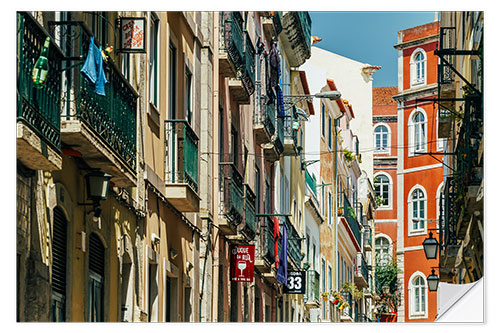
(291, 100)
(97, 184)
(431, 246)
(433, 281)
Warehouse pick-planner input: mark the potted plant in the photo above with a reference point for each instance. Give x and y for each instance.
(325, 295)
(351, 212)
(340, 211)
(306, 265)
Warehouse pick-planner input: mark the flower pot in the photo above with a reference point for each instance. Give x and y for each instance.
(335, 302)
(340, 211)
(325, 298)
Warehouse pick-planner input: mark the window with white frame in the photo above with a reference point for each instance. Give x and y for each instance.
(438, 206)
(417, 210)
(154, 83)
(417, 132)
(439, 141)
(418, 295)
(418, 67)
(382, 187)
(381, 139)
(383, 254)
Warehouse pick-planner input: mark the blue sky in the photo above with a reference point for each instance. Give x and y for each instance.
(367, 37)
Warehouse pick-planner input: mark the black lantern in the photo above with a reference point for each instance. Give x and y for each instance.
(97, 185)
(431, 246)
(433, 281)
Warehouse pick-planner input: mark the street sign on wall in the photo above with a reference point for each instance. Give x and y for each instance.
(295, 282)
(242, 263)
(132, 34)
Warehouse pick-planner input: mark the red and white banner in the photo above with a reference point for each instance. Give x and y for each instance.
(242, 263)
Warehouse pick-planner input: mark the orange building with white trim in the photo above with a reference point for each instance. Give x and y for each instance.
(419, 167)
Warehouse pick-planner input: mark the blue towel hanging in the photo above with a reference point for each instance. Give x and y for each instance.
(93, 69)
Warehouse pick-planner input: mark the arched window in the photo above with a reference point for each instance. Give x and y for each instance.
(418, 295)
(417, 207)
(418, 67)
(382, 187)
(383, 253)
(381, 139)
(417, 134)
(439, 192)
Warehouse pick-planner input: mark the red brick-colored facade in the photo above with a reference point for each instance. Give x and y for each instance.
(420, 169)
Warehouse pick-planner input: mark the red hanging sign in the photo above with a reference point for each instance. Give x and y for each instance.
(242, 262)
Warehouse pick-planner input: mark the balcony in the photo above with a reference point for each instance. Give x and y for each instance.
(264, 125)
(264, 261)
(232, 198)
(231, 44)
(272, 25)
(312, 289)
(361, 272)
(273, 150)
(293, 245)
(237, 57)
(38, 139)
(102, 128)
(291, 126)
(250, 226)
(297, 40)
(351, 220)
(181, 166)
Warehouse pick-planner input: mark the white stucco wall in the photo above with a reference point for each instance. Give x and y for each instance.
(354, 86)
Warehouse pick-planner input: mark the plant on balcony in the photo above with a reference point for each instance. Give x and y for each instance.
(325, 295)
(349, 155)
(351, 212)
(353, 290)
(340, 211)
(378, 200)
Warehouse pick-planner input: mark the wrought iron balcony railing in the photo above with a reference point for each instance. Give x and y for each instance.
(279, 140)
(248, 72)
(351, 220)
(181, 144)
(250, 223)
(40, 109)
(267, 240)
(348, 311)
(111, 117)
(232, 193)
(361, 267)
(232, 37)
(293, 244)
(297, 27)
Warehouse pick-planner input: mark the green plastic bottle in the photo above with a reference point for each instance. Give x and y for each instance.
(41, 68)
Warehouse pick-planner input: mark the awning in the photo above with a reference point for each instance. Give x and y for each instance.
(461, 303)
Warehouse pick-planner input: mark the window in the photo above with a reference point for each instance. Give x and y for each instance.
(329, 208)
(172, 90)
(418, 295)
(187, 95)
(439, 203)
(95, 311)
(382, 250)
(417, 132)
(323, 120)
(330, 278)
(59, 253)
(439, 141)
(417, 210)
(382, 185)
(417, 67)
(330, 132)
(153, 60)
(381, 139)
(323, 284)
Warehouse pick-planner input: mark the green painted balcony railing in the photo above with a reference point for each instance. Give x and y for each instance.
(305, 23)
(250, 222)
(289, 120)
(279, 140)
(112, 117)
(293, 246)
(232, 37)
(312, 286)
(311, 181)
(40, 109)
(233, 193)
(181, 143)
(351, 221)
(361, 266)
(270, 118)
(268, 239)
(248, 73)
